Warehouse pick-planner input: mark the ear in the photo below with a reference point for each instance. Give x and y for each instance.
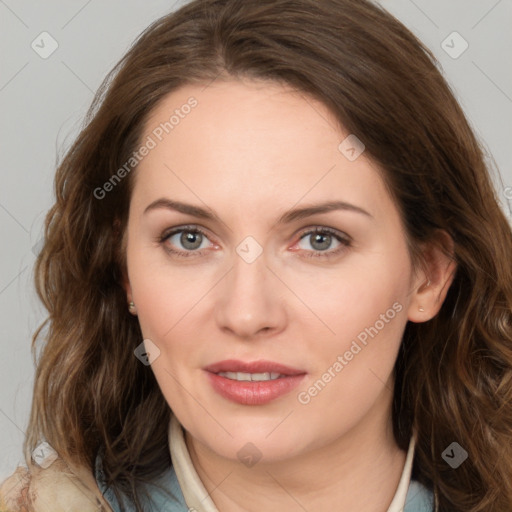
(129, 296)
(434, 279)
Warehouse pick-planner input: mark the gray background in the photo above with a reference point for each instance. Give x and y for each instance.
(43, 102)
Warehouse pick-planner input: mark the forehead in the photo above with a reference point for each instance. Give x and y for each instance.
(254, 143)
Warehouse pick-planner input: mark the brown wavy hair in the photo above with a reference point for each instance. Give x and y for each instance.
(453, 374)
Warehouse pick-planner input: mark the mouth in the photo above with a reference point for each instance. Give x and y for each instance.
(252, 383)
(251, 377)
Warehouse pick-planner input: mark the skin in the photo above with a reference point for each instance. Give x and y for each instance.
(250, 151)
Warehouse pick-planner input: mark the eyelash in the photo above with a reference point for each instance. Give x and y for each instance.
(345, 241)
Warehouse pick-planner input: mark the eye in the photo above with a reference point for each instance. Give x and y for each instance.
(188, 239)
(321, 240)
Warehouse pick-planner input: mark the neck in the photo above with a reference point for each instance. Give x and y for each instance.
(358, 471)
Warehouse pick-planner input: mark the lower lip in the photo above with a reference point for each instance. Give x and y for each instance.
(253, 393)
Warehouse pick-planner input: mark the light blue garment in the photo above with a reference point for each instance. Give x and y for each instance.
(419, 498)
(166, 495)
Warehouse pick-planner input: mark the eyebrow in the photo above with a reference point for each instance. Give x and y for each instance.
(288, 217)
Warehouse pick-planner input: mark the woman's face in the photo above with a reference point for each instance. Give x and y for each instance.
(258, 163)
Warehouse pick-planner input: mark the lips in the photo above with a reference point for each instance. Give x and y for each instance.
(252, 392)
(233, 365)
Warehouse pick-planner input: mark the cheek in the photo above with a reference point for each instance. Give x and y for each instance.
(364, 338)
(354, 297)
(163, 293)
(352, 367)
(363, 313)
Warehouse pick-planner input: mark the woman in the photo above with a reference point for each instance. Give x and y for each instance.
(289, 238)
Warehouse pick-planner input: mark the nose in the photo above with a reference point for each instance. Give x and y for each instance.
(250, 300)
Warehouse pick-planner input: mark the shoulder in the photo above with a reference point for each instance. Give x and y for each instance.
(56, 488)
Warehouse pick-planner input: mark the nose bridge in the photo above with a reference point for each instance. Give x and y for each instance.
(249, 299)
(248, 281)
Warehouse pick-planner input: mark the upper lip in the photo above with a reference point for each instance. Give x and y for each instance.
(232, 365)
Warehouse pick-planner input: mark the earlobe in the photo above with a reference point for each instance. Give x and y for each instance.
(131, 305)
(433, 283)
